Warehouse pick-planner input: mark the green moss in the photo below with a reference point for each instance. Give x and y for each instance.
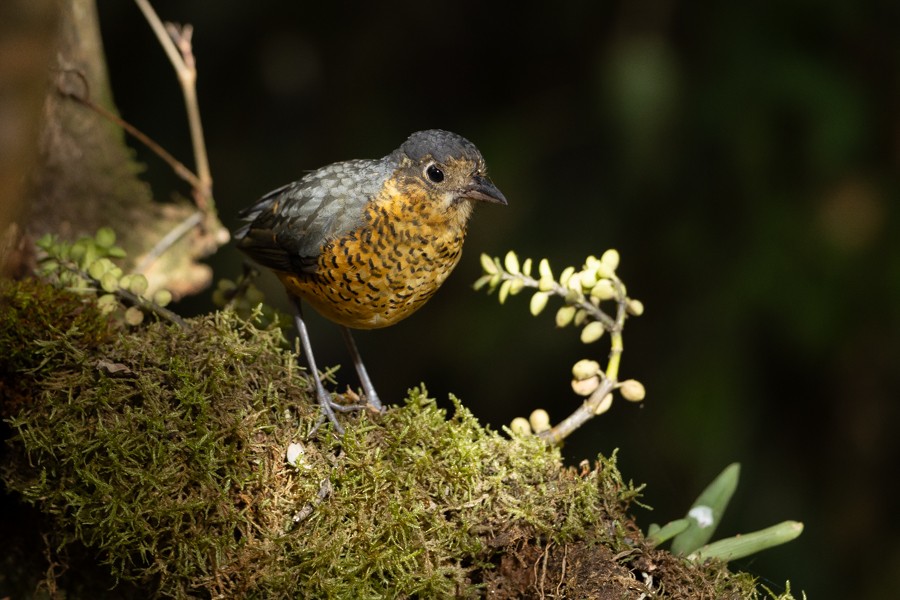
(162, 451)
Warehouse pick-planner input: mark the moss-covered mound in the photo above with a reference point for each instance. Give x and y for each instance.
(158, 456)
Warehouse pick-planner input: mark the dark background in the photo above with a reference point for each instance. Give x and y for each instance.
(743, 160)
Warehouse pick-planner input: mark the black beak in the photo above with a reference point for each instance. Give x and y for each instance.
(483, 190)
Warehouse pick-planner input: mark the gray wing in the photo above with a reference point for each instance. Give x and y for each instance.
(286, 228)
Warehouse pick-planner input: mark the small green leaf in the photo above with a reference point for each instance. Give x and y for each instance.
(45, 242)
(657, 535)
(746, 544)
(707, 510)
(138, 284)
(162, 297)
(105, 237)
(134, 315)
(109, 282)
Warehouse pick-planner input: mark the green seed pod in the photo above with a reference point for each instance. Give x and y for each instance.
(592, 332)
(538, 303)
(585, 369)
(539, 420)
(488, 264)
(565, 315)
(511, 263)
(632, 390)
(521, 426)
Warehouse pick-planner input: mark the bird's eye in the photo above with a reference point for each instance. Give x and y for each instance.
(434, 173)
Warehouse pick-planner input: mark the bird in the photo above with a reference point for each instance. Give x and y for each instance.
(367, 242)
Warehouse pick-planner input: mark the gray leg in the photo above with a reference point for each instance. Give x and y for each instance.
(368, 388)
(325, 401)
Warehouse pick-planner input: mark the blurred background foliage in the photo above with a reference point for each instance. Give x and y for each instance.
(742, 157)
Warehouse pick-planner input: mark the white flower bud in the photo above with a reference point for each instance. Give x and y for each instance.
(538, 302)
(632, 390)
(488, 264)
(635, 307)
(585, 369)
(504, 290)
(511, 263)
(610, 258)
(565, 315)
(603, 290)
(521, 426)
(604, 405)
(585, 387)
(544, 269)
(592, 332)
(539, 420)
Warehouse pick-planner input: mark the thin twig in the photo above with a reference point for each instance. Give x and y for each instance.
(597, 313)
(584, 413)
(169, 240)
(562, 572)
(608, 381)
(129, 297)
(178, 167)
(177, 44)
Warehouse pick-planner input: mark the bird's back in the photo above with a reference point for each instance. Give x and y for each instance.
(287, 227)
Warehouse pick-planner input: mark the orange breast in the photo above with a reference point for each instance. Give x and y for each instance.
(387, 269)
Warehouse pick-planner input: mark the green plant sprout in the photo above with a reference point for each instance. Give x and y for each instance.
(690, 535)
(585, 293)
(86, 266)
